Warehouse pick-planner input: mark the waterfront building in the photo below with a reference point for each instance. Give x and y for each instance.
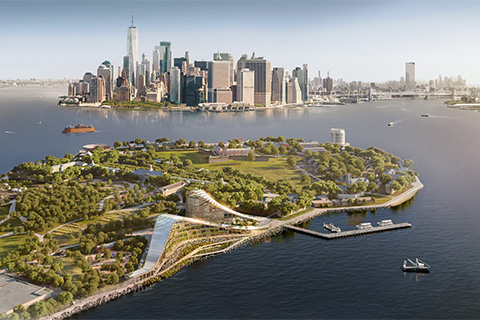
(409, 75)
(302, 78)
(141, 88)
(263, 79)
(279, 86)
(175, 85)
(132, 51)
(106, 71)
(294, 94)
(226, 57)
(337, 136)
(126, 67)
(162, 57)
(123, 87)
(72, 89)
(199, 208)
(246, 86)
(219, 82)
(328, 84)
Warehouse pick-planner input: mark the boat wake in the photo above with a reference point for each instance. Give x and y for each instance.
(8, 132)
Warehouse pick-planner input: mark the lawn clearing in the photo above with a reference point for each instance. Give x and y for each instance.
(11, 243)
(274, 170)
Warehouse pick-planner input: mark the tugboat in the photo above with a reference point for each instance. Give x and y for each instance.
(79, 128)
(417, 266)
(425, 115)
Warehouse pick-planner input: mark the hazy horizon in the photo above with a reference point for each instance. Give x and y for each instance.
(355, 40)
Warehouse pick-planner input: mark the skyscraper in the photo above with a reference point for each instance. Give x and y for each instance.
(263, 79)
(279, 86)
(132, 50)
(246, 86)
(302, 77)
(294, 94)
(106, 71)
(226, 57)
(175, 89)
(162, 57)
(409, 75)
(218, 78)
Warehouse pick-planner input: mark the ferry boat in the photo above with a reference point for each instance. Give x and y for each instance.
(390, 124)
(417, 266)
(79, 128)
(332, 227)
(425, 115)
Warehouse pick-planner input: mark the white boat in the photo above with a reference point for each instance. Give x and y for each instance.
(417, 266)
(332, 227)
(390, 124)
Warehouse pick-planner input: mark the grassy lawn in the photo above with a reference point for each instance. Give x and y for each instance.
(10, 225)
(11, 243)
(4, 212)
(274, 170)
(69, 267)
(195, 156)
(397, 193)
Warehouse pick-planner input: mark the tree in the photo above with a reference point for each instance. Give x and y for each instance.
(282, 150)
(65, 297)
(107, 254)
(305, 179)
(201, 144)
(187, 162)
(251, 156)
(117, 144)
(112, 278)
(192, 144)
(221, 144)
(138, 140)
(291, 161)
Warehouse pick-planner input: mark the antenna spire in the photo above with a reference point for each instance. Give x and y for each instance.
(132, 18)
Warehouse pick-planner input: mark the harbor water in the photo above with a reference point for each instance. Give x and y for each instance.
(295, 275)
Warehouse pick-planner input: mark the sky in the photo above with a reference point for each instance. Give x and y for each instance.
(353, 40)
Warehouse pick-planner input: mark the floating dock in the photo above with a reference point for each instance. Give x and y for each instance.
(350, 233)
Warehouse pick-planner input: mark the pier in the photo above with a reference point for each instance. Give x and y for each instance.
(350, 233)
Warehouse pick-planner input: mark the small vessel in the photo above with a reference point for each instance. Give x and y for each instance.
(364, 226)
(332, 227)
(417, 266)
(425, 115)
(390, 124)
(79, 128)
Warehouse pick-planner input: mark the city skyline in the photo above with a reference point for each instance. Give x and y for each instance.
(354, 40)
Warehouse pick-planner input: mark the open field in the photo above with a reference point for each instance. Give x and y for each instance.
(10, 225)
(274, 170)
(4, 212)
(195, 156)
(9, 244)
(291, 216)
(69, 267)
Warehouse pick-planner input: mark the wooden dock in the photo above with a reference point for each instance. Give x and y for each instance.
(350, 233)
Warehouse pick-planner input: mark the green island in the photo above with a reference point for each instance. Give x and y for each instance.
(464, 103)
(86, 228)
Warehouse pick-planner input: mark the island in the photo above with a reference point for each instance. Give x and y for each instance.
(84, 229)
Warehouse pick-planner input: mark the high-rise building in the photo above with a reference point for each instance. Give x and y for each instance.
(294, 94)
(328, 84)
(106, 71)
(175, 85)
(337, 136)
(246, 86)
(132, 50)
(409, 75)
(241, 62)
(123, 87)
(162, 57)
(279, 86)
(226, 57)
(126, 68)
(218, 78)
(263, 79)
(302, 77)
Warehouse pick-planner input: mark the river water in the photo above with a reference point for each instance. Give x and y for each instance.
(294, 275)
